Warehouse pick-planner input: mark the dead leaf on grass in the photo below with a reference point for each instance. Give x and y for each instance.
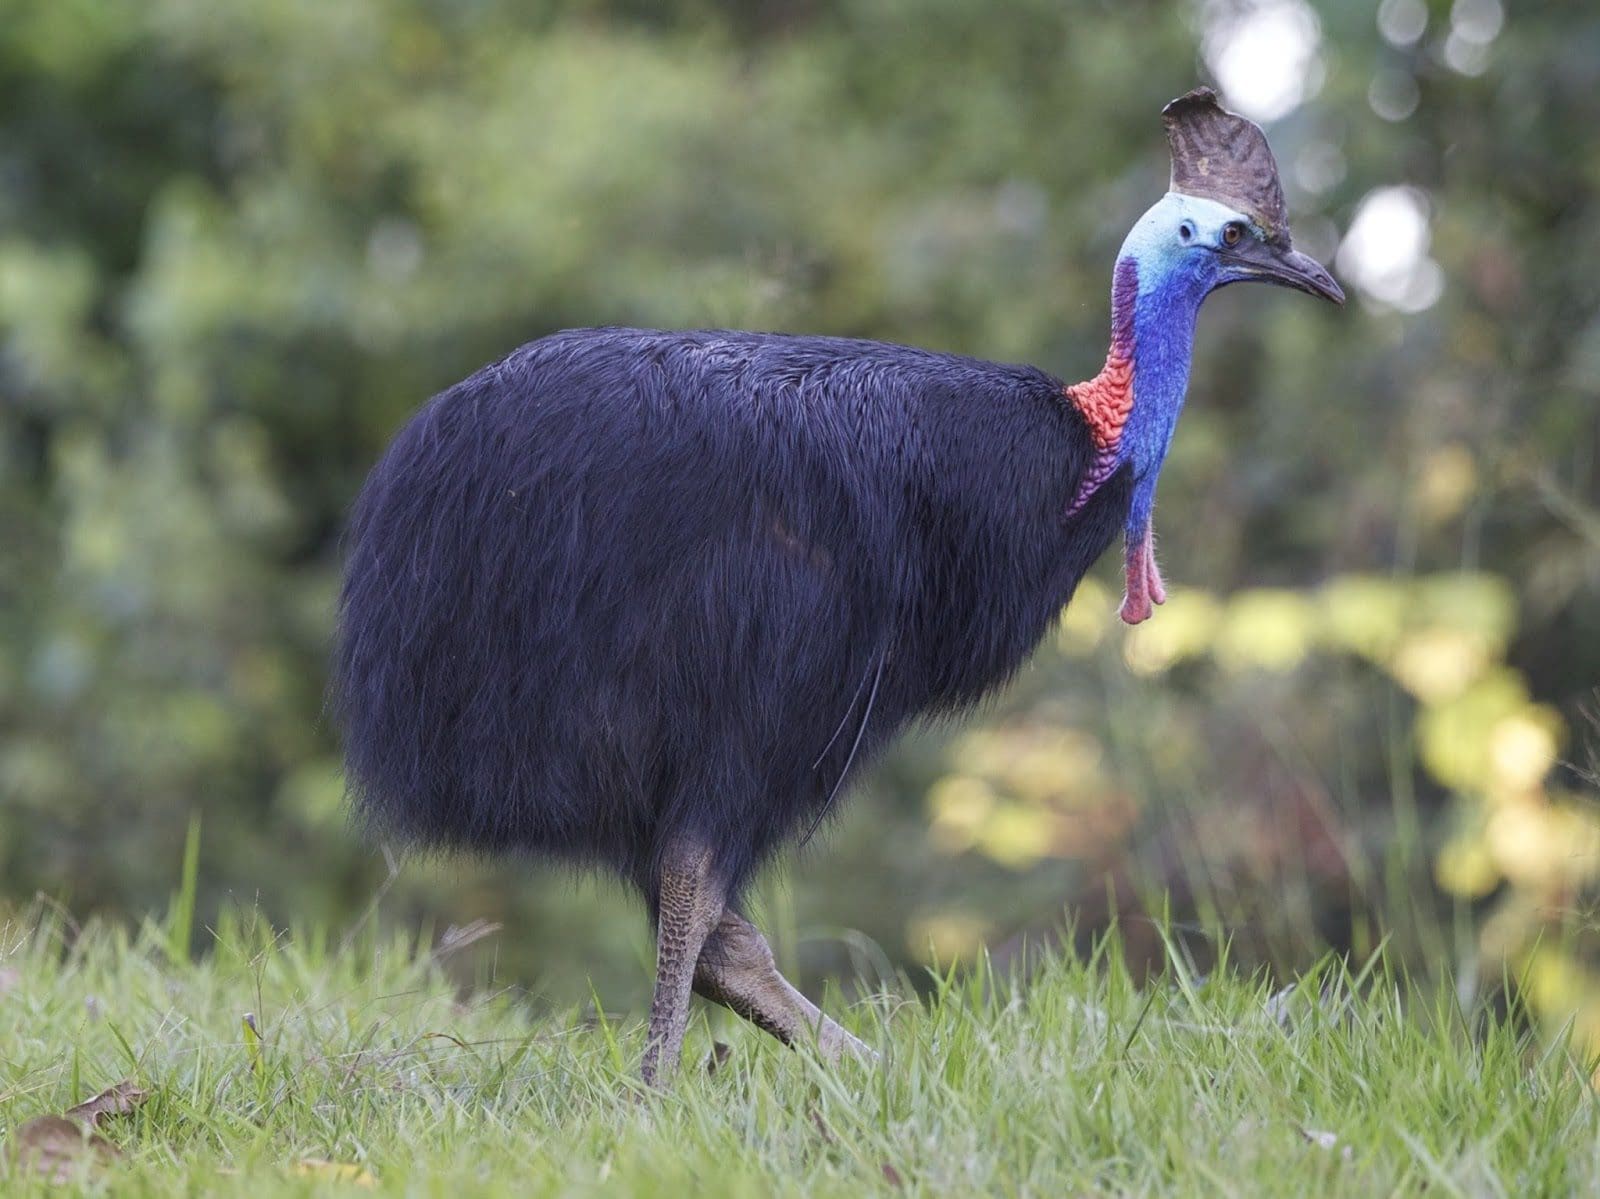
(116, 1100)
(59, 1148)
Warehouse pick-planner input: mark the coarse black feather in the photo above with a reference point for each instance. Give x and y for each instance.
(625, 585)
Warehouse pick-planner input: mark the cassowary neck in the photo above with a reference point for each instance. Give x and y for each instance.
(1132, 405)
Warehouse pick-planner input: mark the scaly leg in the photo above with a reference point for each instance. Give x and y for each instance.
(736, 970)
(690, 901)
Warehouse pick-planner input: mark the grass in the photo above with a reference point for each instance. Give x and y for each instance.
(1074, 1082)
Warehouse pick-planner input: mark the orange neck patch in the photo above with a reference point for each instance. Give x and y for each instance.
(1106, 400)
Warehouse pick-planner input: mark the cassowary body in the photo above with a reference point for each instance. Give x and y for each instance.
(679, 583)
(647, 600)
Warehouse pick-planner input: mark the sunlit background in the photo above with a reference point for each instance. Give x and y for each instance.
(240, 243)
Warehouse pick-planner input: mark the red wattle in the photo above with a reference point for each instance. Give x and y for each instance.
(1158, 589)
(1143, 579)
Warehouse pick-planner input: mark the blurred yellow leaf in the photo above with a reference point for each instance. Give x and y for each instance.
(1527, 844)
(946, 935)
(1363, 614)
(1060, 763)
(1454, 736)
(1448, 478)
(1017, 836)
(1266, 629)
(1437, 664)
(1186, 628)
(1543, 846)
(959, 804)
(1466, 868)
(1553, 981)
(1522, 749)
(313, 1167)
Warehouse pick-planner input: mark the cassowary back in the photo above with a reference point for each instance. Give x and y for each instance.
(625, 584)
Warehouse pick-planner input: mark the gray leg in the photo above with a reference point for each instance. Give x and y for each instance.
(736, 970)
(690, 901)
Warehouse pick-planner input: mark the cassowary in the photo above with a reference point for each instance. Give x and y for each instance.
(648, 601)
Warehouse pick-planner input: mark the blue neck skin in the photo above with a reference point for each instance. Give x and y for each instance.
(1163, 342)
(1172, 279)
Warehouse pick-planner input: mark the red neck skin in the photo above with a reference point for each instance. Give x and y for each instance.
(1106, 401)
(1142, 578)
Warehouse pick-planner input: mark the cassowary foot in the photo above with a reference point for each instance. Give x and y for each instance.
(737, 970)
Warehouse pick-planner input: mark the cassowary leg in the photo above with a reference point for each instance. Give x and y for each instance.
(689, 903)
(737, 970)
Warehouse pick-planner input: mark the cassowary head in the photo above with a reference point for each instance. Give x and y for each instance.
(1224, 220)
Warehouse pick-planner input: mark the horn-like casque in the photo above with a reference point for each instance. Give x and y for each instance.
(1219, 155)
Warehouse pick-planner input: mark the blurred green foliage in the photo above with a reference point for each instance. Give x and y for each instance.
(240, 242)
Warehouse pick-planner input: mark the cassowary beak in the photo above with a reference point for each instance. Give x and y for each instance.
(1262, 262)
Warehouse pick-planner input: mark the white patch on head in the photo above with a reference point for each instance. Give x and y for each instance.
(1157, 235)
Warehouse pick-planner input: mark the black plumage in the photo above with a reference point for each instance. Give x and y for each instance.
(625, 587)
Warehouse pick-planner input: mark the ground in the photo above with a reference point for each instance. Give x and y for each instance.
(277, 1064)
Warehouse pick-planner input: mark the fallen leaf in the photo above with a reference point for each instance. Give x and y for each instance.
(58, 1149)
(316, 1167)
(720, 1053)
(116, 1100)
(891, 1175)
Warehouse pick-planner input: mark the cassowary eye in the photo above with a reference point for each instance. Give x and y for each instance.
(1231, 233)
